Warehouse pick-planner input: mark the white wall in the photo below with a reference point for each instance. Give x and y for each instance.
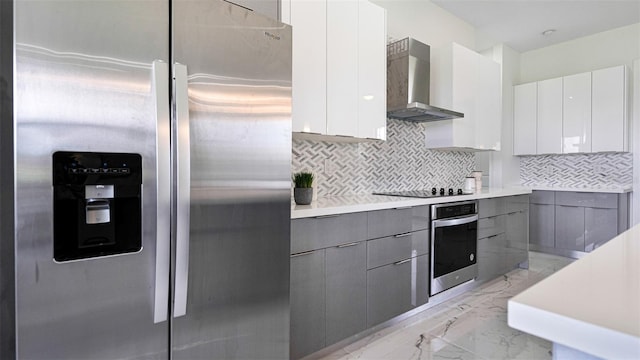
(635, 145)
(426, 22)
(609, 48)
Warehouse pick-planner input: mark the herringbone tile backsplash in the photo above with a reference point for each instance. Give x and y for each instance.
(400, 163)
(578, 170)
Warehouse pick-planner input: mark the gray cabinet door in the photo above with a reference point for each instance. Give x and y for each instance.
(542, 219)
(396, 288)
(601, 225)
(491, 256)
(517, 235)
(325, 231)
(307, 303)
(570, 228)
(346, 294)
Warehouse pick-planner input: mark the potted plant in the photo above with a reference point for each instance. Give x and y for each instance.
(303, 190)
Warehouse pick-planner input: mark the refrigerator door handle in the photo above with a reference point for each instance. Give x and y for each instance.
(183, 188)
(163, 190)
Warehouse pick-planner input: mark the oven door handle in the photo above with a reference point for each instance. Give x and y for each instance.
(454, 222)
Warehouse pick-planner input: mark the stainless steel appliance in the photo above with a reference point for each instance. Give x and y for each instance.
(454, 243)
(145, 177)
(408, 82)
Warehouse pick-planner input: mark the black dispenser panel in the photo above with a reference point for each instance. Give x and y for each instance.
(97, 208)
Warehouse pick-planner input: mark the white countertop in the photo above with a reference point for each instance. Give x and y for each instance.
(592, 305)
(357, 203)
(600, 189)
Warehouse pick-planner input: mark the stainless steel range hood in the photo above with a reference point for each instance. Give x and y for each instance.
(408, 76)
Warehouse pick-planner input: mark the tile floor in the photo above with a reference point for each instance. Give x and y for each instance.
(470, 326)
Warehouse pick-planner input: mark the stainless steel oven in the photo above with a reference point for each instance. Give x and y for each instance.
(454, 244)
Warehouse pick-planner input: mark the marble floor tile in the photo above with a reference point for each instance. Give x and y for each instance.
(470, 326)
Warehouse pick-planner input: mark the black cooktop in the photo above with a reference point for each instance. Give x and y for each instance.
(423, 193)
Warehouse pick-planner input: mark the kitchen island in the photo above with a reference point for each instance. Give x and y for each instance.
(591, 308)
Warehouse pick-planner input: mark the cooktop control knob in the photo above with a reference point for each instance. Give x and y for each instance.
(441, 191)
(459, 191)
(450, 191)
(434, 191)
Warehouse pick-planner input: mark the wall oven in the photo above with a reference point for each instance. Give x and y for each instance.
(454, 243)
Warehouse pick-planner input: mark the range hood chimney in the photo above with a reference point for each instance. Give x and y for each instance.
(408, 76)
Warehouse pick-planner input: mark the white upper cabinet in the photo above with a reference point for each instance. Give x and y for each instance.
(309, 68)
(372, 67)
(549, 117)
(580, 113)
(465, 81)
(576, 113)
(524, 118)
(339, 69)
(609, 109)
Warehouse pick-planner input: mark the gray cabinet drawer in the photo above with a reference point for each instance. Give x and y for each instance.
(394, 289)
(517, 203)
(543, 197)
(491, 226)
(491, 256)
(585, 199)
(389, 222)
(391, 249)
(491, 207)
(326, 231)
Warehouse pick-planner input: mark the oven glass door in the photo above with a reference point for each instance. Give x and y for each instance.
(454, 244)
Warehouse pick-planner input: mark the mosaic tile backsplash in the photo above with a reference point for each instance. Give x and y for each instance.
(578, 170)
(400, 163)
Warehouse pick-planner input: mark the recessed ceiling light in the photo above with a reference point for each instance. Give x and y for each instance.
(548, 32)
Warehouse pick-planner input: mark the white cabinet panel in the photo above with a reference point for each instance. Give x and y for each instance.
(468, 82)
(309, 70)
(372, 68)
(576, 113)
(609, 110)
(524, 119)
(549, 127)
(342, 66)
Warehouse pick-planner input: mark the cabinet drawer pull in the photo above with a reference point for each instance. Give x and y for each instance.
(403, 208)
(347, 245)
(492, 236)
(402, 235)
(326, 216)
(402, 261)
(303, 253)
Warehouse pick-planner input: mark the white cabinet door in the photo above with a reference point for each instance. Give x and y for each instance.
(524, 119)
(488, 104)
(609, 105)
(342, 67)
(309, 71)
(576, 113)
(549, 125)
(372, 70)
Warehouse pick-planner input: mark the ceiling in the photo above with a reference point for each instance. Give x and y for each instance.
(520, 23)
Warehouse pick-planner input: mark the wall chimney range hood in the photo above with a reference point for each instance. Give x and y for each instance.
(408, 77)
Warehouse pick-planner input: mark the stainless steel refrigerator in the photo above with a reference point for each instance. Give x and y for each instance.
(145, 180)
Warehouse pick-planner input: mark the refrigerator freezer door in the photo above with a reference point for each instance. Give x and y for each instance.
(83, 83)
(239, 86)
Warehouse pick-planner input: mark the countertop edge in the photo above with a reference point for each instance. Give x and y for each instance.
(615, 190)
(360, 203)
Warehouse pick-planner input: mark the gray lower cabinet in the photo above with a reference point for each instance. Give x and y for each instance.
(491, 256)
(569, 228)
(542, 225)
(601, 225)
(517, 236)
(397, 288)
(503, 235)
(307, 303)
(573, 223)
(346, 294)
